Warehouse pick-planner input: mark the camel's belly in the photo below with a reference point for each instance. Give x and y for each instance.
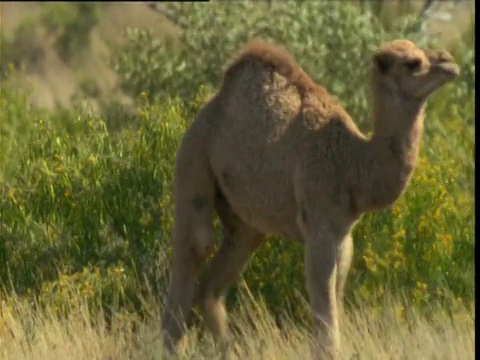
(260, 195)
(253, 153)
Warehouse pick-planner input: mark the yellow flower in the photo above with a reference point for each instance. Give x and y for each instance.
(118, 270)
(399, 311)
(369, 263)
(399, 234)
(11, 194)
(92, 159)
(446, 240)
(421, 285)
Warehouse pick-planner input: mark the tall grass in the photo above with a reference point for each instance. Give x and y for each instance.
(366, 334)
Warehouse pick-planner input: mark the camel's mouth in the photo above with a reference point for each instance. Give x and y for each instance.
(434, 77)
(448, 68)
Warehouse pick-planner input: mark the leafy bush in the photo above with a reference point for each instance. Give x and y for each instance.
(24, 49)
(75, 195)
(71, 24)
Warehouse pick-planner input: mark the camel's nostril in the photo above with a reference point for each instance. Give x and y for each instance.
(444, 56)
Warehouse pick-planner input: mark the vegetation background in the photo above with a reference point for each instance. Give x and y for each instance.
(94, 100)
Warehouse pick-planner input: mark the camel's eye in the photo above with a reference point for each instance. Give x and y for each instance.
(413, 65)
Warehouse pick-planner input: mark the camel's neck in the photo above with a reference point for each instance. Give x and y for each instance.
(394, 118)
(392, 152)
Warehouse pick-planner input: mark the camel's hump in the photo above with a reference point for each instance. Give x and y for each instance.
(268, 54)
(280, 60)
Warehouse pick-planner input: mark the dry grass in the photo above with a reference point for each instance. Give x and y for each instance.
(369, 334)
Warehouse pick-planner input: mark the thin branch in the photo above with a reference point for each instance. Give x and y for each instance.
(426, 6)
(169, 15)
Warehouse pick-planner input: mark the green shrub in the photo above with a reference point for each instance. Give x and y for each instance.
(24, 49)
(76, 195)
(71, 24)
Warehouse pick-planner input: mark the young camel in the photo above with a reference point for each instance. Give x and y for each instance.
(273, 152)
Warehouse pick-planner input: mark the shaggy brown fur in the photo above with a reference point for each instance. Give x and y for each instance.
(273, 152)
(280, 61)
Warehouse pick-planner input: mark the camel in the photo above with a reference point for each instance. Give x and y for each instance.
(273, 152)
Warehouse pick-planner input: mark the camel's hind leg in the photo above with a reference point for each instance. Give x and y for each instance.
(193, 240)
(344, 260)
(238, 243)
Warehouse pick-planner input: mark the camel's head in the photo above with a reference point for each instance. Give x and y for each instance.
(401, 68)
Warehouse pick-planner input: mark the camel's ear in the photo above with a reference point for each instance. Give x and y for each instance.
(383, 62)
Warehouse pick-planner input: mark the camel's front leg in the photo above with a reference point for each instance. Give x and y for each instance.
(321, 274)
